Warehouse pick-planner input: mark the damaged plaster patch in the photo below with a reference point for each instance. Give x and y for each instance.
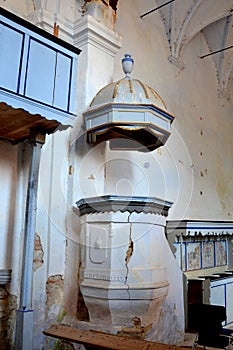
(137, 331)
(102, 10)
(8, 305)
(169, 320)
(129, 254)
(82, 311)
(54, 297)
(38, 259)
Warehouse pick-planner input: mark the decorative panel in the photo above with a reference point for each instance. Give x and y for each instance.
(62, 81)
(98, 245)
(202, 254)
(207, 254)
(10, 55)
(217, 295)
(220, 253)
(181, 251)
(193, 256)
(40, 81)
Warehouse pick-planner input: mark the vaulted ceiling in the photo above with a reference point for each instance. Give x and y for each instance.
(183, 19)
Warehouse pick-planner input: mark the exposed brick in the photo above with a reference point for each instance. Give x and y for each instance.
(8, 305)
(54, 297)
(103, 10)
(38, 253)
(82, 312)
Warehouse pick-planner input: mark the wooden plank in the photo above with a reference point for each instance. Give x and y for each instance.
(103, 341)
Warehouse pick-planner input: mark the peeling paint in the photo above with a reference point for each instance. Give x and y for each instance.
(128, 255)
(137, 331)
(111, 3)
(8, 305)
(38, 259)
(103, 10)
(54, 289)
(71, 170)
(34, 5)
(54, 297)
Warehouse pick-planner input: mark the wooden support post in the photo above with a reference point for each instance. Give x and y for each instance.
(24, 315)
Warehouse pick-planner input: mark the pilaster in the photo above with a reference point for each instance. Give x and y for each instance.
(99, 45)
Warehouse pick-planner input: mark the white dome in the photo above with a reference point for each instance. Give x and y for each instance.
(129, 114)
(128, 91)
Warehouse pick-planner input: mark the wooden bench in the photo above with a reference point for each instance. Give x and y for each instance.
(103, 341)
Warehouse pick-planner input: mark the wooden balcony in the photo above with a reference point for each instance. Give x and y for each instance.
(37, 70)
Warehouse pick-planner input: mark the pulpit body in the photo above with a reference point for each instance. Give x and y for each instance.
(122, 277)
(127, 276)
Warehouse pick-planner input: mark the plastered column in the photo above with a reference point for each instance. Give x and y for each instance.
(99, 45)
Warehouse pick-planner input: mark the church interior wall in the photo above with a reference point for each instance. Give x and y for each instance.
(193, 170)
(200, 131)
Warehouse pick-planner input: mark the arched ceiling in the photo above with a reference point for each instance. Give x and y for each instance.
(183, 19)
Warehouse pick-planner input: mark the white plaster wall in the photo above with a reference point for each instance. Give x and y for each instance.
(52, 198)
(197, 159)
(14, 167)
(58, 228)
(18, 7)
(171, 323)
(8, 177)
(170, 328)
(69, 9)
(194, 168)
(8, 180)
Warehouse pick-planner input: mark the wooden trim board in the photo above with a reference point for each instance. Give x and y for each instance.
(103, 341)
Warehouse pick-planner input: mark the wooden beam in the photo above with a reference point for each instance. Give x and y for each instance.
(103, 341)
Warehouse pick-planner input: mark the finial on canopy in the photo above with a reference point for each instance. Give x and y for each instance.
(127, 65)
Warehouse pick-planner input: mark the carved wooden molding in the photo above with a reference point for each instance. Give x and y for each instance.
(110, 203)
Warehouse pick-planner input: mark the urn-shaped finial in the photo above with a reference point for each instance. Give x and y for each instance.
(127, 65)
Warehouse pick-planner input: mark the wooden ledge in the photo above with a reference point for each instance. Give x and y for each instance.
(103, 341)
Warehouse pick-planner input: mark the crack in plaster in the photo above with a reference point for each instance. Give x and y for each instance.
(128, 256)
